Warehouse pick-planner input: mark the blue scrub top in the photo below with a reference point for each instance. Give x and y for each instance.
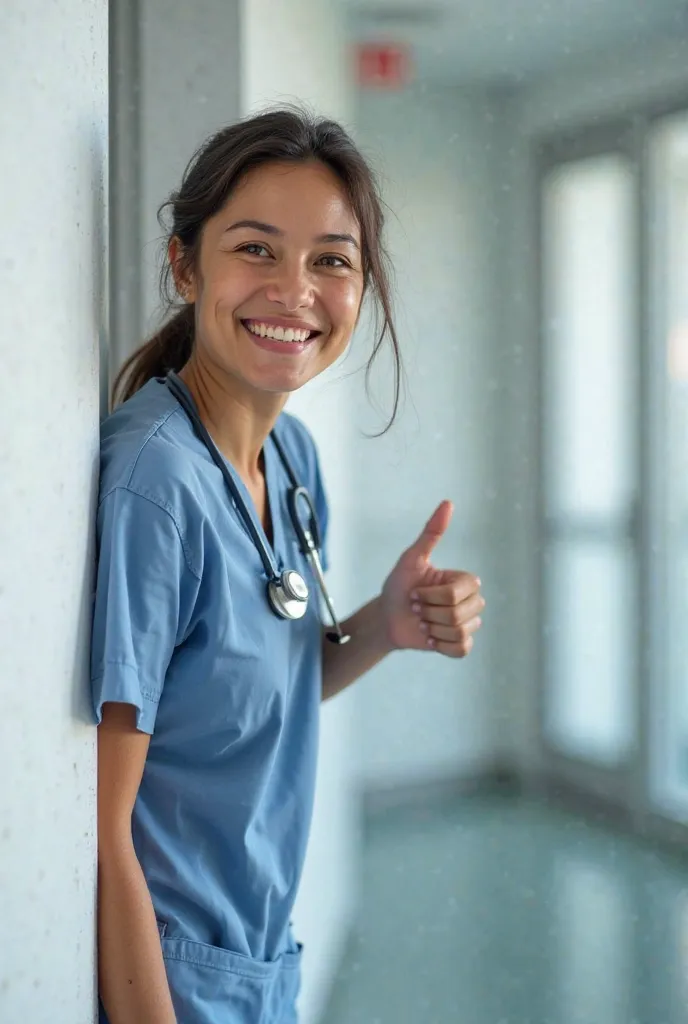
(229, 693)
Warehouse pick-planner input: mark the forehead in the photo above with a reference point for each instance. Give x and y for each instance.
(299, 199)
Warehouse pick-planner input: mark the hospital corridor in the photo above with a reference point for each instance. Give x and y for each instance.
(497, 908)
(500, 838)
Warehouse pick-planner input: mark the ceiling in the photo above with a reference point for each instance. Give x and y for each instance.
(510, 41)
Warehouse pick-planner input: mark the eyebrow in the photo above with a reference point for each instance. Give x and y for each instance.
(270, 229)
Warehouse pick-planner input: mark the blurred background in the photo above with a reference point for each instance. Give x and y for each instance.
(497, 841)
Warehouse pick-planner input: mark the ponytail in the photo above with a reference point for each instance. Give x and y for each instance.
(167, 350)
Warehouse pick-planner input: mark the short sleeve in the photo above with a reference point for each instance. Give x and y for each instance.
(143, 602)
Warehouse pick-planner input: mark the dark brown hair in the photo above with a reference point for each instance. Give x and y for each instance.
(219, 165)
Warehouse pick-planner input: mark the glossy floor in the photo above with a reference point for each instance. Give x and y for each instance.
(503, 911)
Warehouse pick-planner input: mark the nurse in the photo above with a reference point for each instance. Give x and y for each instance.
(207, 700)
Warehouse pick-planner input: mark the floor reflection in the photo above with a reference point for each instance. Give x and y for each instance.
(503, 911)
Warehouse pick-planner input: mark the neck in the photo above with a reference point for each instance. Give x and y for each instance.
(237, 419)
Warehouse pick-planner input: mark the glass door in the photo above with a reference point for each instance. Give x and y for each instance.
(668, 237)
(590, 466)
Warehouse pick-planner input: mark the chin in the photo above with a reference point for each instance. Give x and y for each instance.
(278, 384)
(280, 379)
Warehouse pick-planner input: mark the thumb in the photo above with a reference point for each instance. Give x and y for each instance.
(433, 531)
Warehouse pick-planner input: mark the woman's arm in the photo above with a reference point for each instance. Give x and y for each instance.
(344, 663)
(133, 981)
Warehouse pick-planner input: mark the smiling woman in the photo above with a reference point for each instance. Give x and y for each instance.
(207, 695)
(298, 268)
(278, 194)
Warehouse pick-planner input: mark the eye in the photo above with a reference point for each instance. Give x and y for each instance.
(254, 249)
(333, 261)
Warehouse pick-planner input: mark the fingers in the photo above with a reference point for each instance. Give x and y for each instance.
(460, 649)
(452, 641)
(462, 586)
(450, 614)
(454, 650)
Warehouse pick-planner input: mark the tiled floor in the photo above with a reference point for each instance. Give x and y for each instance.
(506, 912)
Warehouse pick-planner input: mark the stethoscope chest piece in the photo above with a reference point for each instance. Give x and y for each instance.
(288, 595)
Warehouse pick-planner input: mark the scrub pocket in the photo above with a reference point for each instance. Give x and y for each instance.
(210, 985)
(214, 986)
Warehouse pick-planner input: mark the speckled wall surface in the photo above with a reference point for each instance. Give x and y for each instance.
(53, 165)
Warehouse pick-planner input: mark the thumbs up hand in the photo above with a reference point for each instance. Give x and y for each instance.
(431, 609)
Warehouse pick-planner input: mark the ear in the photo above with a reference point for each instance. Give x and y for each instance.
(184, 279)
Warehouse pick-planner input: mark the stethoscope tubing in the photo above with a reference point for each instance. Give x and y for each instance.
(308, 536)
(180, 392)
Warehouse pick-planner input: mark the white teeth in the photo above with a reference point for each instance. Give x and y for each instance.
(285, 334)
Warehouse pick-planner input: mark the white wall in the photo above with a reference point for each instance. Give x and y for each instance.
(53, 126)
(620, 86)
(422, 717)
(296, 51)
(125, 172)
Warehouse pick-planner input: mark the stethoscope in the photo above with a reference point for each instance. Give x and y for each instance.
(287, 590)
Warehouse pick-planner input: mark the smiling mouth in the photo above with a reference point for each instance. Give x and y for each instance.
(288, 335)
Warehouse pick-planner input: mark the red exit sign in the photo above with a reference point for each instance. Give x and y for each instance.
(383, 65)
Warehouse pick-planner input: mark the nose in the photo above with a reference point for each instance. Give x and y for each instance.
(291, 286)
